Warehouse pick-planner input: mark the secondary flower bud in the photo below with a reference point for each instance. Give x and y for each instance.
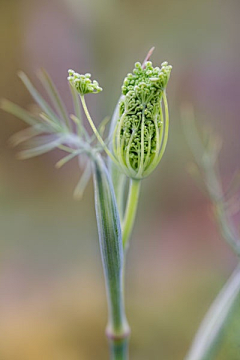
(83, 83)
(141, 132)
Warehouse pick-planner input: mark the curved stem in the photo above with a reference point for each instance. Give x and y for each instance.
(209, 167)
(98, 136)
(142, 143)
(164, 136)
(130, 211)
(207, 338)
(224, 222)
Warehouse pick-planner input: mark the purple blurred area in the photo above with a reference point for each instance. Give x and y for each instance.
(52, 300)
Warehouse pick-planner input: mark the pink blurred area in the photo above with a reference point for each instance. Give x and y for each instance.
(52, 300)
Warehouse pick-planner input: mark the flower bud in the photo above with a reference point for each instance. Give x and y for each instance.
(141, 132)
(83, 83)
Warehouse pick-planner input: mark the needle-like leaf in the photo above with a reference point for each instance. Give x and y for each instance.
(24, 135)
(76, 102)
(17, 111)
(81, 186)
(67, 158)
(38, 98)
(54, 96)
(45, 146)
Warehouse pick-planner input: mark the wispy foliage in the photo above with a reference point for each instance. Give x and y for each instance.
(205, 170)
(52, 127)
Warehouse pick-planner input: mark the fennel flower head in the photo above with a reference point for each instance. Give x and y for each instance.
(83, 83)
(141, 132)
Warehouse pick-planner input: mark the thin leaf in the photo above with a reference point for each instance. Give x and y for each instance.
(232, 206)
(17, 111)
(41, 140)
(234, 185)
(41, 149)
(214, 148)
(81, 129)
(76, 103)
(54, 96)
(67, 158)
(101, 129)
(81, 186)
(189, 126)
(66, 148)
(195, 173)
(50, 122)
(24, 135)
(103, 125)
(38, 98)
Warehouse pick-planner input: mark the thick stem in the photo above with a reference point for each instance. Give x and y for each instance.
(110, 240)
(117, 325)
(131, 209)
(119, 348)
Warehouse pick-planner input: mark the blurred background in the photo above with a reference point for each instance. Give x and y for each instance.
(52, 297)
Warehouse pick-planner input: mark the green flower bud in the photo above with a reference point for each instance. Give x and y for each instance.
(140, 135)
(83, 83)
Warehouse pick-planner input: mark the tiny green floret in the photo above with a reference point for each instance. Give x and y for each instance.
(141, 132)
(83, 83)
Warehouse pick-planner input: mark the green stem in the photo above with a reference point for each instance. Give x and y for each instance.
(163, 136)
(109, 230)
(98, 136)
(131, 209)
(119, 349)
(205, 344)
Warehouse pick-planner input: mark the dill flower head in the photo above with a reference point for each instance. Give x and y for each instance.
(141, 131)
(83, 83)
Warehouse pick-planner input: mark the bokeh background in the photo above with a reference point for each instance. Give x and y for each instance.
(52, 299)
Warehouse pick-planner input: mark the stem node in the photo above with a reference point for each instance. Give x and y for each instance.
(111, 335)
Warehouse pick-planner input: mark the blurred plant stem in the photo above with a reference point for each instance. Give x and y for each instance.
(206, 152)
(223, 219)
(119, 349)
(131, 209)
(206, 341)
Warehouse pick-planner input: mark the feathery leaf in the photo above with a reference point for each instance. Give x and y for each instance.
(54, 96)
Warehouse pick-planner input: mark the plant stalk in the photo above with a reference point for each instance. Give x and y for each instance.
(98, 136)
(205, 344)
(119, 349)
(111, 247)
(131, 209)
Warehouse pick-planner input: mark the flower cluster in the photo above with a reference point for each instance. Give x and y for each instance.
(83, 83)
(147, 81)
(140, 132)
